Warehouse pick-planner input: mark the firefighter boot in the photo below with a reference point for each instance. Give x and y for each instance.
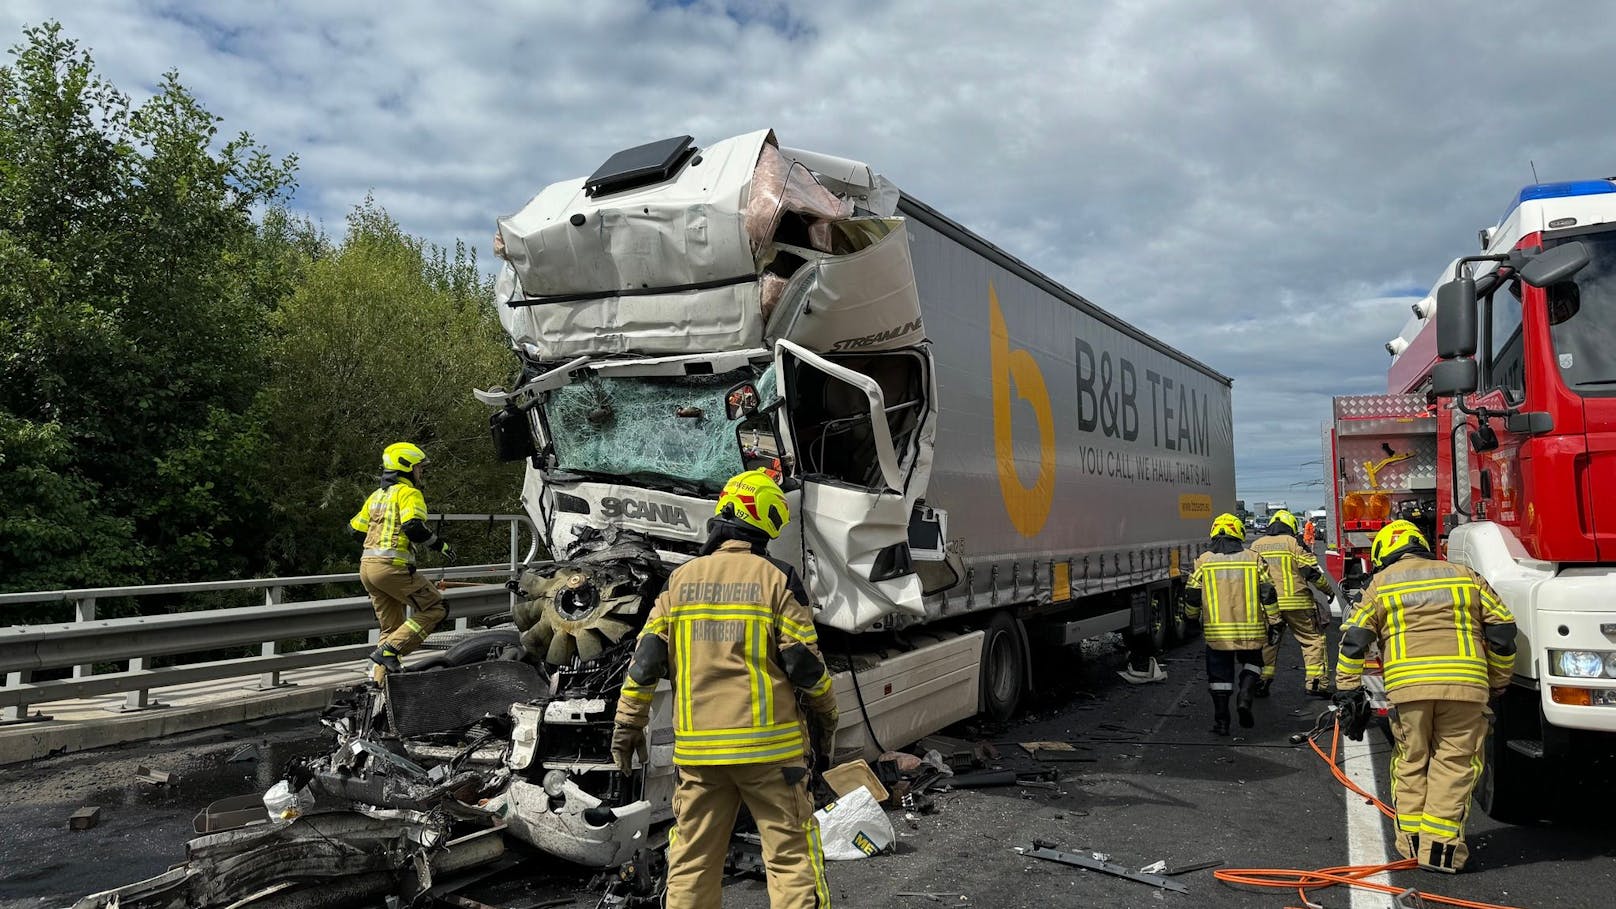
(386, 659)
(1263, 686)
(1242, 702)
(1220, 714)
(1316, 688)
(1443, 857)
(1408, 845)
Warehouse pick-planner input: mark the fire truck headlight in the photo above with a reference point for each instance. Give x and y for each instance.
(1583, 664)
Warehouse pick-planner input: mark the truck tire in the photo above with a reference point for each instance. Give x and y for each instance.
(1510, 789)
(1004, 668)
(1180, 625)
(1162, 620)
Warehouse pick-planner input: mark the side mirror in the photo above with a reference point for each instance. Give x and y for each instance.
(513, 434)
(741, 401)
(1452, 378)
(1456, 319)
(1555, 265)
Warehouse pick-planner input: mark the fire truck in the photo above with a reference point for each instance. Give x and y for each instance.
(1498, 436)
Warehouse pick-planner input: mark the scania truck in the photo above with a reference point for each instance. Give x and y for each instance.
(982, 466)
(1498, 433)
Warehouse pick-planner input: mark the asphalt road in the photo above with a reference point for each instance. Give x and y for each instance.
(1155, 786)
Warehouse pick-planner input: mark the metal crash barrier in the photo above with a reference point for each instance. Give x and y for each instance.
(87, 641)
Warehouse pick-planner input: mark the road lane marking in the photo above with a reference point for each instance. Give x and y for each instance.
(1366, 828)
(1167, 714)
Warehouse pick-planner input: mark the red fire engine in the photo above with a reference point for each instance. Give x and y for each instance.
(1498, 436)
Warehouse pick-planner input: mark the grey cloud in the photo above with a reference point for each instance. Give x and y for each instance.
(1246, 182)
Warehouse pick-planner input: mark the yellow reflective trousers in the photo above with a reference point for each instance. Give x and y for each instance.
(704, 810)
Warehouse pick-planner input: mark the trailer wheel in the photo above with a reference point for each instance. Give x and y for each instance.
(1164, 621)
(1509, 790)
(1180, 625)
(1004, 668)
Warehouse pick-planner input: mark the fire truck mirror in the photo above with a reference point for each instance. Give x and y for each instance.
(1555, 265)
(1456, 319)
(1453, 377)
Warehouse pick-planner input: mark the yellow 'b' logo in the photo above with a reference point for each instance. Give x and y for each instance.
(1028, 506)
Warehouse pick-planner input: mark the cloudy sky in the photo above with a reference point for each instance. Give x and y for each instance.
(1267, 186)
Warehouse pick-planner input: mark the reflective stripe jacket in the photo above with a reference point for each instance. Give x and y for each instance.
(1287, 561)
(381, 519)
(1234, 616)
(1431, 620)
(725, 618)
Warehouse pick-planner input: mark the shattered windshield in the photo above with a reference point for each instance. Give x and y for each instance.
(1582, 319)
(648, 428)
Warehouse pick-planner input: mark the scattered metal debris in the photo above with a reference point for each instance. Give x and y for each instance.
(1193, 866)
(155, 777)
(983, 778)
(231, 813)
(1045, 851)
(929, 895)
(242, 755)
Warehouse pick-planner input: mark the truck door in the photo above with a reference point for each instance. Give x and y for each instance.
(857, 430)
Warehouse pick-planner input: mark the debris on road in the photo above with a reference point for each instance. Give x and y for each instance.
(854, 827)
(242, 755)
(844, 778)
(1099, 862)
(155, 777)
(1193, 866)
(230, 813)
(928, 895)
(982, 779)
(84, 818)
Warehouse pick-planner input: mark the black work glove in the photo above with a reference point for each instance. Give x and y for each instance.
(447, 551)
(1347, 699)
(1274, 632)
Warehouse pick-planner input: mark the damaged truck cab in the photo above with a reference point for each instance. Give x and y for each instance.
(684, 314)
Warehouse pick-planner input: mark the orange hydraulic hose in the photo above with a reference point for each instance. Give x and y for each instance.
(1346, 875)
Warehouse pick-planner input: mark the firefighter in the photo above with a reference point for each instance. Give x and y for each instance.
(1446, 642)
(392, 525)
(1231, 594)
(1294, 570)
(1310, 533)
(733, 634)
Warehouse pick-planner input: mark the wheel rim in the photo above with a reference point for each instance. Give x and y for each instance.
(1001, 662)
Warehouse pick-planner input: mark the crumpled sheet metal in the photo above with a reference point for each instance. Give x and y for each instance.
(864, 299)
(224, 868)
(780, 185)
(573, 830)
(711, 223)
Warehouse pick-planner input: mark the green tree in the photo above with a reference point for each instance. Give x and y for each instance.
(134, 336)
(381, 342)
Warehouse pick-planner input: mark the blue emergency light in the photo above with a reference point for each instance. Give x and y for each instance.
(1558, 191)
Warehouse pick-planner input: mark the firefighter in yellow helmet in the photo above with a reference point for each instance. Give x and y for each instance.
(733, 634)
(1446, 641)
(1231, 594)
(1295, 571)
(392, 526)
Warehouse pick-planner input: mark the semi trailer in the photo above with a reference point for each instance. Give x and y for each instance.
(983, 466)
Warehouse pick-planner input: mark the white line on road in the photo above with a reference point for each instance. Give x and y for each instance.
(1366, 828)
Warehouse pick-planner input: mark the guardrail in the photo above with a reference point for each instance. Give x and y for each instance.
(86, 641)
